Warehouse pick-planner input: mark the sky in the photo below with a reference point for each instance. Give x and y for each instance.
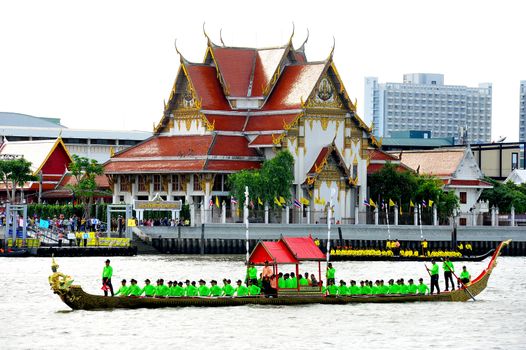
(110, 64)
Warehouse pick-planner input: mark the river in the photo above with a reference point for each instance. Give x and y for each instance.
(32, 317)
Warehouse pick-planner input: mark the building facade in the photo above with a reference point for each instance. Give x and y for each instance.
(423, 102)
(239, 107)
(522, 112)
(92, 144)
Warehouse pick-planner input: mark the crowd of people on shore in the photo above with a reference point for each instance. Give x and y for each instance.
(267, 284)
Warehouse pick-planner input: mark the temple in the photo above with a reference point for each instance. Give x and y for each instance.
(236, 109)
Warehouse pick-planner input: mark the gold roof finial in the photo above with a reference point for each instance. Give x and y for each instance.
(332, 50)
(293, 30)
(221, 37)
(209, 42)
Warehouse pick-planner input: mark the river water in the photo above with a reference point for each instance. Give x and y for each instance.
(32, 317)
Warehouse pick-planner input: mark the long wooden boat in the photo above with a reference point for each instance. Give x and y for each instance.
(78, 299)
(15, 253)
(410, 258)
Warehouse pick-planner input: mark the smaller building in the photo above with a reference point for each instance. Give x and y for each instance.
(414, 140)
(458, 170)
(517, 176)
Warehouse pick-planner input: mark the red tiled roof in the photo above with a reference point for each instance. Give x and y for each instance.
(264, 140)
(159, 146)
(376, 154)
(235, 65)
(232, 146)
(207, 86)
(295, 83)
(470, 183)
(157, 166)
(227, 122)
(230, 165)
(374, 168)
(269, 122)
(267, 61)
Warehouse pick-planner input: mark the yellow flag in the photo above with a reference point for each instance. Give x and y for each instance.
(304, 201)
(277, 202)
(411, 204)
(131, 222)
(372, 203)
(217, 202)
(260, 202)
(401, 210)
(281, 200)
(391, 203)
(431, 203)
(322, 201)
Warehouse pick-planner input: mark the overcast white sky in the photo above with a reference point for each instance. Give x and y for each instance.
(110, 64)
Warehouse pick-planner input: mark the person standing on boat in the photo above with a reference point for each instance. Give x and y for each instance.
(448, 268)
(331, 273)
(434, 276)
(252, 273)
(465, 277)
(265, 277)
(107, 272)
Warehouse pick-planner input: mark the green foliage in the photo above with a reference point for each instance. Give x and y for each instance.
(13, 173)
(403, 187)
(50, 210)
(85, 171)
(273, 180)
(504, 195)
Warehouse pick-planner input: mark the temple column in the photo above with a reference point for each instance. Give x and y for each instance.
(223, 212)
(415, 216)
(435, 215)
(266, 213)
(376, 216)
(395, 214)
(512, 216)
(116, 187)
(356, 215)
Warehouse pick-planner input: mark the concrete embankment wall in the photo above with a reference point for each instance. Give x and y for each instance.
(230, 238)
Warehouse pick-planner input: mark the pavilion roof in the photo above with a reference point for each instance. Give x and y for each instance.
(273, 252)
(303, 248)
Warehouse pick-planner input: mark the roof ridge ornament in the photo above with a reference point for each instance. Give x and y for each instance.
(302, 46)
(221, 37)
(206, 35)
(292, 35)
(332, 50)
(181, 57)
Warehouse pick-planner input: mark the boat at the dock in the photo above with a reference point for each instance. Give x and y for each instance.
(77, 299)
(469, 258)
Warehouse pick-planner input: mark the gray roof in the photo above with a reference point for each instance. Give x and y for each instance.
(431, 142)
(18, 119)
(21, 125)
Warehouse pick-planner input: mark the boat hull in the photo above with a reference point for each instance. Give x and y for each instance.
(412, 258)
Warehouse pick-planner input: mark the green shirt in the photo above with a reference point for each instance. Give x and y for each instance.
(464, 274)
(242, 291)
(434, 270)
(178, 291)
(107, 272)
(375, 289)
(134, 290)
(354, 290)
(252, 273)
(332, 289)
(394, 289)
(412, 288)
(331, 272)
(215, 291)
(404, 289)
(123, 291)
(366, 290)
(281, 283)
(191, 291)
(304, 281)
(254, 290)
(161, 291)
(447, 266)
(148, 290)
(289, 283)
(384, 289)
(203, 291)
(343, 290)
(294, 282)
(422, 288)
(228, 290)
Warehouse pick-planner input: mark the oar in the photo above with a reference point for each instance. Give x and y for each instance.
(427, 269)
(463, 285)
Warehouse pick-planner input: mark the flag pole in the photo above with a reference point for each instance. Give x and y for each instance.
(420, 222)
(329, 225)
(387, 216)
(245, 216)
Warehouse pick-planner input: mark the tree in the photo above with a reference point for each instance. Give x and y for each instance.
(15, 172)
(389, 183)
(85, 171)
(504, 195)
(273, 180)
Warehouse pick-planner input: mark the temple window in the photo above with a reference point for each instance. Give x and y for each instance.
(176, 183)
(157, 183)
(197, 183)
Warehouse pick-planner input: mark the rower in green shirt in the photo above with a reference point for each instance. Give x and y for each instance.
(393, 288)
(161, 291)
(342, 289)
(281, 281)
(354, 289)
(134, 290)
(294, 280)
(241, 290)
(331, 273)
(203, 290)
(289, 283)
(366, 289)
(411, 287)
(148, 289)
(464, 277)
(403, 287)
(215, 290)
(375, 288)
(304, 281)
(169, 290)
(253, 289)
(332, 289)
(123, 290)
(227, 289)
(422, 288)
(191, 290)
(179, 290)
(383, 288)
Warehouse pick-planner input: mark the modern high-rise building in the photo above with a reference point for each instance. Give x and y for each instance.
(522, 115)
(423, 102)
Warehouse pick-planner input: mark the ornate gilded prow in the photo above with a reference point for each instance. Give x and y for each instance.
(58, 281)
